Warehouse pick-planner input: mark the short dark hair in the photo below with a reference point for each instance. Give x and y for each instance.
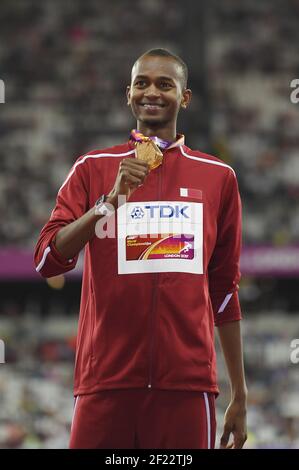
(160, 52)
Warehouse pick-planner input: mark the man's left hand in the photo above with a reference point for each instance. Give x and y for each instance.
(235, 424)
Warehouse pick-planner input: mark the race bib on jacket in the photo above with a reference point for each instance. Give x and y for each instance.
(160, 236)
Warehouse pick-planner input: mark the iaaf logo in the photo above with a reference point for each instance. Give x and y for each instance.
(162, 210)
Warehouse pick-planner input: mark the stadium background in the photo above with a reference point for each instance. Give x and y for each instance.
(65, 66)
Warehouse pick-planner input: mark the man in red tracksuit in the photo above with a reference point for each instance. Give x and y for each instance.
(161, 268)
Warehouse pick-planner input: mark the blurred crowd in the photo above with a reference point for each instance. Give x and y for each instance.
(36, 381)
(255, 126)
(66, 65)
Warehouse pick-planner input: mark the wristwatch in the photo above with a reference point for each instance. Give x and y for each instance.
(101, 208)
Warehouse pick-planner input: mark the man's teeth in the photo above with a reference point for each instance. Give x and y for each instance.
(152, 105)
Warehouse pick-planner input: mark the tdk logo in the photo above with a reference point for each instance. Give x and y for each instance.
(137, 213)
(167, 211)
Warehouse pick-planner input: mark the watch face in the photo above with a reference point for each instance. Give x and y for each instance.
(101, 208)
(101, 200)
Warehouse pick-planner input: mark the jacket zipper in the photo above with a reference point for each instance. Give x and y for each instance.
(154, 296)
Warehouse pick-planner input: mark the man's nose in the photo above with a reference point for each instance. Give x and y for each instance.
(152, 92)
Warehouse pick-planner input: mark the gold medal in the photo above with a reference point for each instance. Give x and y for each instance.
(149, 152)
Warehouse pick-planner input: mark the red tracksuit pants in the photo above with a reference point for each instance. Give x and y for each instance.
(144, 419)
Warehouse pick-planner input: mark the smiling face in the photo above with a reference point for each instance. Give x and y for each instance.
(157, 92)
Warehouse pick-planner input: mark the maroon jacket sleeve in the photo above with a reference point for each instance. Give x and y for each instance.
(71, 203)
(224, 266)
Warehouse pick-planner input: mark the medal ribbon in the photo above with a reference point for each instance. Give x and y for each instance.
(137, 136)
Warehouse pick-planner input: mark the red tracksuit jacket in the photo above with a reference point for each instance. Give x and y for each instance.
(149, 304)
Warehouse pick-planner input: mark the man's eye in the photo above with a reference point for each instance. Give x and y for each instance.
(140, 83)
(165, 85)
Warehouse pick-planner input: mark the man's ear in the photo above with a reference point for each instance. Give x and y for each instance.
(128, 93)
(186, 98)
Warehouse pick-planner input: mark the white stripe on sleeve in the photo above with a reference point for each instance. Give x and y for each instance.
(224, 303)
(42, 262)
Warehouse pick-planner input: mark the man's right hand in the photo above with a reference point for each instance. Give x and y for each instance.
(131, 174)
